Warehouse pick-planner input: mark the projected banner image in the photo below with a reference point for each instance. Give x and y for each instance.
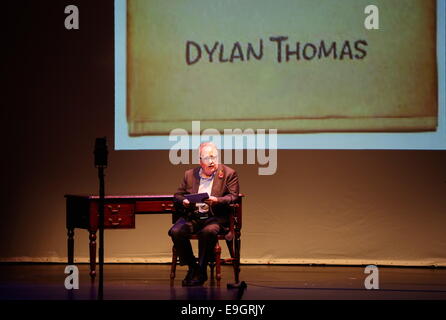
(296, 66)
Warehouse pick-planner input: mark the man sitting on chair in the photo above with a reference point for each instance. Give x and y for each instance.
(206, 219)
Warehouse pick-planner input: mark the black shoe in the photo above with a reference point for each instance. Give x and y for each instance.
(199, 280)
(192, 273)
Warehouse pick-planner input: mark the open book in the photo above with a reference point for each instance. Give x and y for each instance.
(197, 197)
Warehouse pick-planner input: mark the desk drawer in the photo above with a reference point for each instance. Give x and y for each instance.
(154, 206)
(119, 216)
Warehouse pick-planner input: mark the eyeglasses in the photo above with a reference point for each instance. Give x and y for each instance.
(208, 159)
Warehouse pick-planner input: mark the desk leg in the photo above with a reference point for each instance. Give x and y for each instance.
(92, 255)
(70, 246)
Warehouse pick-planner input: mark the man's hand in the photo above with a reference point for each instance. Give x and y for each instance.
(211, 200)
(186, 203)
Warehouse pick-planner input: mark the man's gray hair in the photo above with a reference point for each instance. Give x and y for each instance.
(206, 144)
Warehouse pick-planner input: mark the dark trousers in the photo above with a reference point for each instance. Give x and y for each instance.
(207, 231)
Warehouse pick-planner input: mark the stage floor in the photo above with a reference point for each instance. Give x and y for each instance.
(264, 282)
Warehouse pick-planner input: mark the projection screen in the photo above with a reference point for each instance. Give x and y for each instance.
(325, 75)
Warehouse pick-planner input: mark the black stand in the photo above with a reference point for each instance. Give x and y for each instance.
(101, 233)
(238, 285)
(241, 286)
(100, 153)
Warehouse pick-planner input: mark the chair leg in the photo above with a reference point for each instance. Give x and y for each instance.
(237, 245)
(173, 266)
(235, 255)
(230, 244)
(217, 250)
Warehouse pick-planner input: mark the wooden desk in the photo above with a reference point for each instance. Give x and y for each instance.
(119, 213)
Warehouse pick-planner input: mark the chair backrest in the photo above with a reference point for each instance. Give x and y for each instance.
(238, 211)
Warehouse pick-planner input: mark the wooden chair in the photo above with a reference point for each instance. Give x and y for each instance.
(232, 237)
